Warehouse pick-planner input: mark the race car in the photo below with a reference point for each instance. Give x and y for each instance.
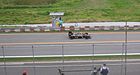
(72, 35)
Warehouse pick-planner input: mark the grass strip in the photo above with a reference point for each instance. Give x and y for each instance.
(72, 58)
(37, 11)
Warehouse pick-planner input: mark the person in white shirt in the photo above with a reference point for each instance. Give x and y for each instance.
(104, 70)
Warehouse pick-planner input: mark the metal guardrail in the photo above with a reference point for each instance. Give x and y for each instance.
(72, 28)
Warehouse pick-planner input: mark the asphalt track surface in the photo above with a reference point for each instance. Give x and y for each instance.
(62, 37)
(50, 43)
(20, 44)
(82, 68)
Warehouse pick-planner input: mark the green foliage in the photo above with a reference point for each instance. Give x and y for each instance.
(34, 2)
(37, 11)
(73, 58)
(26, 2)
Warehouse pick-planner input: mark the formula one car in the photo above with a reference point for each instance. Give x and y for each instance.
(72, 35)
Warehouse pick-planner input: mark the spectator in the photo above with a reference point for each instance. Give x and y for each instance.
(24, 73)
(95, 71)
(104, 70)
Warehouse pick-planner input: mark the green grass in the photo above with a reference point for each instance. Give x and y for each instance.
(74, 58)
(75, 11)
(8, 26)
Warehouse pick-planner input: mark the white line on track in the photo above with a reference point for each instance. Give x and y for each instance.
(60, 43)
(69, 55)
(56, 66)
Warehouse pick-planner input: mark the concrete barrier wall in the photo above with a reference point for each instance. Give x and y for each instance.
(67, 28)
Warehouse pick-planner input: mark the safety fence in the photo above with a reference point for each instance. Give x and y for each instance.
(70, 59)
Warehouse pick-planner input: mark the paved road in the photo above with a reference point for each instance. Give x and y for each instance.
(62, 37)
(69, 49)
(116, 68)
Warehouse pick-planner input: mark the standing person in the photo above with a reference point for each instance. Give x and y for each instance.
(104, 70)
(60, 22)
(94, 72)
(24, 73)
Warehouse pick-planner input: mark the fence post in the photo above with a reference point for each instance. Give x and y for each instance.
(126, 48)
(4, 60)
(93, 52)
(122, 58)
(33, 53)
(63, 56)
(92, 57)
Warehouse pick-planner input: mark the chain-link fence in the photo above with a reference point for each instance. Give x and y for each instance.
(72, 59)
